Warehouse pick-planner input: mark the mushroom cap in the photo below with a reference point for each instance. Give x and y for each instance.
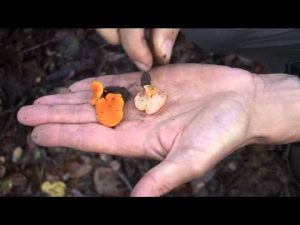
(141, 101)
(97, 91)
(150, 99)
(109, 110)
(156, 102)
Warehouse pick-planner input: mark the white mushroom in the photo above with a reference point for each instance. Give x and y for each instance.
(150, 99)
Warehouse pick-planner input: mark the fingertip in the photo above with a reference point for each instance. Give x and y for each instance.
(136, 47)
(19, 115)
(149, 185)
(74, 86)
(140, 192)
(81, 85)
(71, 88)
(22, 115)
(38, 101)
(44, 135)
(143, 190)
(143, 66)
(163, 41)
(163, 178)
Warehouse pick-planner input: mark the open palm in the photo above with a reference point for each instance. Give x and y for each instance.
(206, 117)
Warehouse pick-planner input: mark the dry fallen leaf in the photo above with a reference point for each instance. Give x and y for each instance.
(2, 170)
(77, 170)
(37, 154)
(38, 80)
(115, 165)
(105, 157)
(17, 154)
(2, 159)
(5, 186)
(86, 159)
(108, 183)
(232, 166)
(18, 179)
(55, 189)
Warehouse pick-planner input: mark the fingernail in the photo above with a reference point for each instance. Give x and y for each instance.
(141, 66)
(166, 49)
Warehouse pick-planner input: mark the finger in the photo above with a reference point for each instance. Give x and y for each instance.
(111, 35)
(80, 97)
(86, 137)
(34, 115)
(160, 180)
(163, 42)
(174, 171)
(38, 114)
(124, 80)
(135, 45)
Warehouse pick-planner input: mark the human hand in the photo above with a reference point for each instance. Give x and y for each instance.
(210, 112)
(134, 43)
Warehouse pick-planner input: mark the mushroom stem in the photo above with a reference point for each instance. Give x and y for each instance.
(151, 99)
(146, 79)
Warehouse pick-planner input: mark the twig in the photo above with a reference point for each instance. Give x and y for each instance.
(37, 46)
(126, 181)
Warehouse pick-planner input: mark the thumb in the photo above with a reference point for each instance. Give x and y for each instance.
(167, 176)
(163, 42)
(178, 168)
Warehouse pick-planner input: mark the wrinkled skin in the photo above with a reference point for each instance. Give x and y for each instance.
(207, 116)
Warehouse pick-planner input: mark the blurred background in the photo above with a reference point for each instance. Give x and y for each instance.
(35, 62)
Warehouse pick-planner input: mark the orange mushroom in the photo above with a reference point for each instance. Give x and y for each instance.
(97, 91)
(109, 110)
(108, 103)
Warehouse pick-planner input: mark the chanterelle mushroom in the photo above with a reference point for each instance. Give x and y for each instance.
(108, 103)
(151, 99)
(109, 110)
(97, 91)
